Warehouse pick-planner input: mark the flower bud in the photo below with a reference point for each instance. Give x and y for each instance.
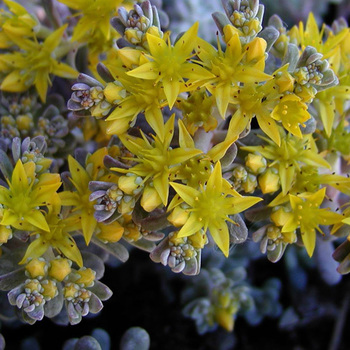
(60, 268)
(269, 181)
(256, 163)
(36, 268)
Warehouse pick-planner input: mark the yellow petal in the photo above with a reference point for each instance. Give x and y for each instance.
(88, 225)
(221, 237)
(35, 249)
(147, 71)
(69, 248)
(80, 177)
(36, 218)
(14, 82)
(192, 226)
(187, 193)
(309, 240)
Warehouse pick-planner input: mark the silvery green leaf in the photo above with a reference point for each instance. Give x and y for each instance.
(115, 249)
(310, 126)
(101, 290)
(238, 232)
(87, 343)
(95, 304)
(26, 318)
(110, 162)
(270, 35)
(13, 294)
(86, 79)
(342, 251)
(69, 344)
(291, 57)
(74, 105)
(135, 338)
(104, 73)
(193, 266)
(275, 21)
(102, 337)
(230, 6)
(12, 279)
(258, 214)
(37, 314)
(229, 156)
(54, 306)
(143, 244)
(156, 253)
(5, 164)
(277, 253)
(94, 262)
(238, 274)
(80, 87)
(260, 11)
(221, 21)
(73, 315)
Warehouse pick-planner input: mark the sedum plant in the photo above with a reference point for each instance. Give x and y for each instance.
(115, 135)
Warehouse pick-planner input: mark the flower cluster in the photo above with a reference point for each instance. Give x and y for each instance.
(164, 145)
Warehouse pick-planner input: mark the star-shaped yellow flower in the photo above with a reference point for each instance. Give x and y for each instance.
(307, 216)
(211, 206)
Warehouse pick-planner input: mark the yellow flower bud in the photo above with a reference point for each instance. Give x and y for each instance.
(60, 268)
(126, 205)
(175, 240)
(178, 217)
(289, 237)
(250, 183)
(24, 122)
(150, 199)
(70, 291)
(86, 277)
(256, 163)
(198, 240)
(36, 268)
(50, 289)
(154, 31)
(273, 232)
(280, 216)
(224, 318)
(32, 286)
(133, 36)
(129, 184)
(269, 181)
(5, 234)
(284, 81)
(112, 92)
(132, 232)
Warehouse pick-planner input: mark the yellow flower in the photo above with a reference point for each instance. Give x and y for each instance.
(155, 162)
(236, 65)
(96, 16)
(307, 215)
(33, 65)
(57, 236)
(312, 36)
(83, 208)
(289, 156)
(170, 64)
(25, 195)
(291, 112)
(17, 23)
(211, 206)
